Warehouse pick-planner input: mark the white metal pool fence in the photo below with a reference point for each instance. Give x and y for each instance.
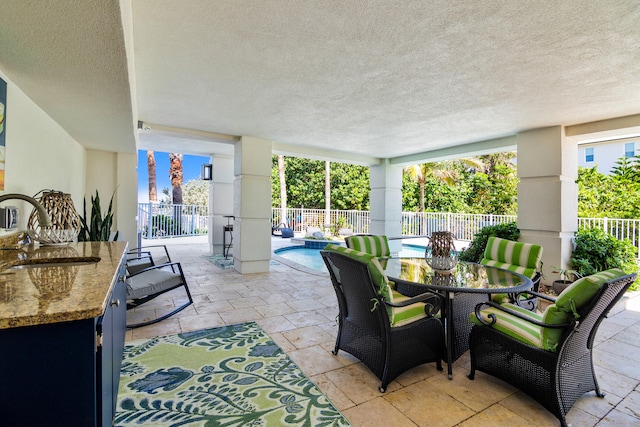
(463, 226)
(162, 220)
(158, 220)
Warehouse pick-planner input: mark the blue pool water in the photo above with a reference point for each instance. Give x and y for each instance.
(311, 258)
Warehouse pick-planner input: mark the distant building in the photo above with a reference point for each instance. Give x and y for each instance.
(605, 154)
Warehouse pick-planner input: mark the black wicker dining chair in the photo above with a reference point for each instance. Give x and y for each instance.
(548, 356)
(523, 258)
(365, 318)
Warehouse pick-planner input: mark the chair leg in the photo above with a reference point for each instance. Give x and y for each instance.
(158, 319)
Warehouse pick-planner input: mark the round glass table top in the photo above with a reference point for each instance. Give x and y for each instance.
(464, 277)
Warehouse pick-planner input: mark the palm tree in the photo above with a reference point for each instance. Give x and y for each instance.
(442, 171)
(490, 161)
(151, 167)
(283, 190)
(327, 192)
(419, 174)
(176, 177)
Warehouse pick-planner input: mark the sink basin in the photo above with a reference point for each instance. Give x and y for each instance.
(56, 262)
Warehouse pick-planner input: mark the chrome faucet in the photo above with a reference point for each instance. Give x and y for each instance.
(43, 217)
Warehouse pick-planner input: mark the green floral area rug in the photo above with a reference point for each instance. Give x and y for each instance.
(229, 376)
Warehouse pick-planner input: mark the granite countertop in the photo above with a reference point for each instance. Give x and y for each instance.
(53, 291)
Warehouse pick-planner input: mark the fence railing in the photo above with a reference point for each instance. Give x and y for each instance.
(463, 226)
(299, 219)
(160, 220)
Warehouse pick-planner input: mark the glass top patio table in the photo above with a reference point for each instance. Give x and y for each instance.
(465, 277)
(462, 288)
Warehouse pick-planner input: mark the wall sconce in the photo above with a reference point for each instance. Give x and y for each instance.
(207, 172)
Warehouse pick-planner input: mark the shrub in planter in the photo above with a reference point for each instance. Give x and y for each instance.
(595, 251)
(475, 250)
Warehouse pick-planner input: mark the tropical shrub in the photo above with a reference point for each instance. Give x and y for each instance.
(475, 250)
(595, 251)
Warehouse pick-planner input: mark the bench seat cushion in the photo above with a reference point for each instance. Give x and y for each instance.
(152, 282)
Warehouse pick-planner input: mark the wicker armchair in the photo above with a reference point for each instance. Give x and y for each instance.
(365, 329)
(523, 258)
(554, 373)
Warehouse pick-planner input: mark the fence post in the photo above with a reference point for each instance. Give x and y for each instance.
(193, 220)
(150, 221)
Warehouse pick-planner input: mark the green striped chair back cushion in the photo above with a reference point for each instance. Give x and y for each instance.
(374, 245)
(398, 316)
(582, 291)
(523, 258)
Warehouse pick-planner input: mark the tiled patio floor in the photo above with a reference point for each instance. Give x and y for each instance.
(298, 310)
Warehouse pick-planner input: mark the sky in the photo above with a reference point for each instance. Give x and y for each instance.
(191, 166)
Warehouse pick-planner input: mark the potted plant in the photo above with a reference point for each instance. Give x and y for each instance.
(95, 228)
(567, 277)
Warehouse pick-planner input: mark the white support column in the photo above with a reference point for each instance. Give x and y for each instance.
(252, 206)
(220, 199)
(548, 194)
(385, 202)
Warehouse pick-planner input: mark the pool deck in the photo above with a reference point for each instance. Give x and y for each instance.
(298, 311)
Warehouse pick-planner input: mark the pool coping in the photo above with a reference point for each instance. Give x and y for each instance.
(295, 265)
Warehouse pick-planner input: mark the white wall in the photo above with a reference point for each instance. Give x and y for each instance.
(605, 154)
(39, 154)
(114, 174)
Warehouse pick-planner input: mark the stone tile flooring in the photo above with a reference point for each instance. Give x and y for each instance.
(298, 310)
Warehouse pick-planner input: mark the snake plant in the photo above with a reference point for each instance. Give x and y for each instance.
(98, 229)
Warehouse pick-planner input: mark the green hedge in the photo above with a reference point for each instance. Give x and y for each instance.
(475, 250)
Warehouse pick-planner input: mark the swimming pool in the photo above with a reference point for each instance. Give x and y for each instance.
(311, 258)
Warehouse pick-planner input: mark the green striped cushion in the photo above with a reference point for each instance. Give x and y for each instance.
(523, 258)
(398, 316)
(553, 315)
(514, 327)
(380, 280)
(374, 245)
(582, 291)
(538, 336)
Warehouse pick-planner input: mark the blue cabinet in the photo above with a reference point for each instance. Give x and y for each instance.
(65, 373)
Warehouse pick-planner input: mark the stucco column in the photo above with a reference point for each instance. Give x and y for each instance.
(252, 205)
(220, 199)
(385, 201)
(548, 194)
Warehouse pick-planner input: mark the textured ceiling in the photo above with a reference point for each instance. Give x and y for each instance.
(361, 78)
(69, 57)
